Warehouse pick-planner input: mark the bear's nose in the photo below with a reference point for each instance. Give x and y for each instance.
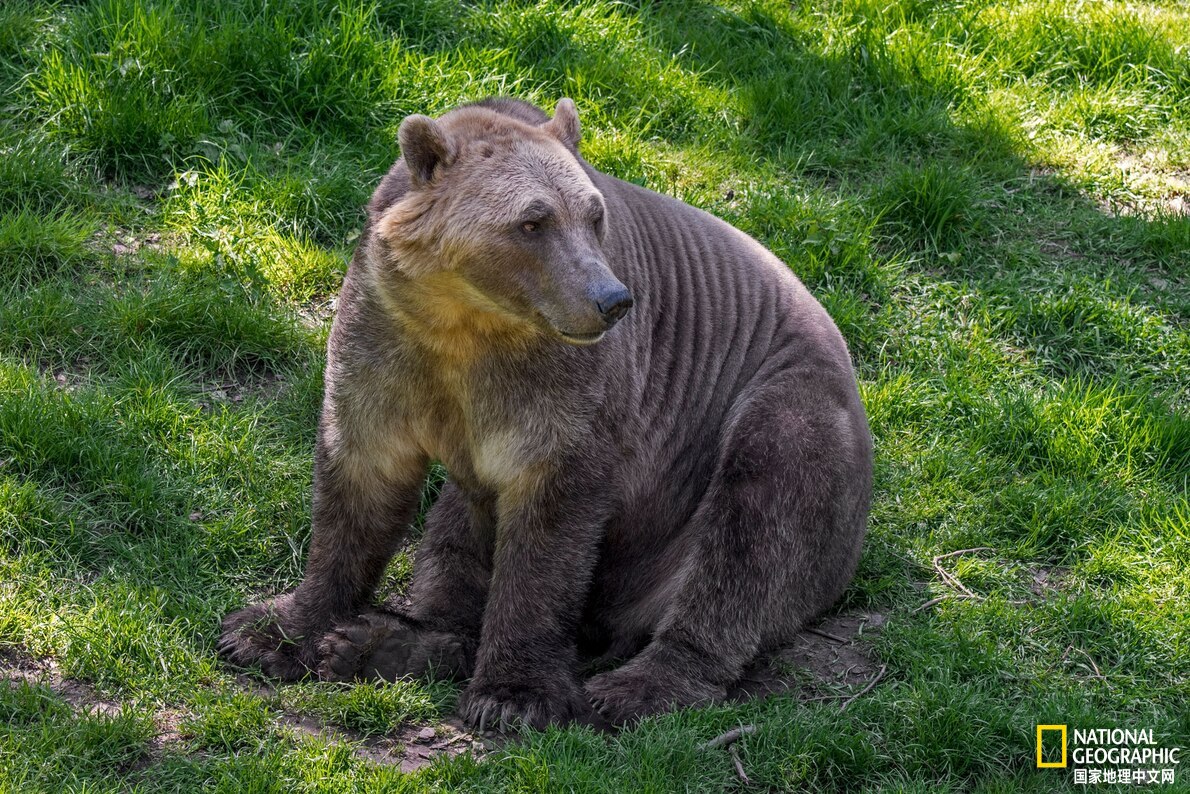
(614, 304)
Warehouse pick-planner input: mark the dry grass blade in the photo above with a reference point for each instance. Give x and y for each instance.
(1094, 666)
(939, 600)
(871, 684)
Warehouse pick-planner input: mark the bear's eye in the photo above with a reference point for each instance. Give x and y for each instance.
(530, 227)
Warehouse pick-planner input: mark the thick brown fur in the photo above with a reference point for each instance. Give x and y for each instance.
(675, 491)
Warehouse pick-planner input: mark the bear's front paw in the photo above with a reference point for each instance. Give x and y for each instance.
(504, 707)
(264, 635)
(637, 690)
(385, 646)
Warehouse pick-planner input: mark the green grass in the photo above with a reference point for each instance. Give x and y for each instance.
(985, 195)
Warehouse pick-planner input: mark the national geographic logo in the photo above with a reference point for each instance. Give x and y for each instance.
(1107, 755)
(1053, 730)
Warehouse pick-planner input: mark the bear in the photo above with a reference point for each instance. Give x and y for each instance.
(659, 464)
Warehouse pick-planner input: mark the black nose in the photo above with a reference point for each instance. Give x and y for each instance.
(614, 304)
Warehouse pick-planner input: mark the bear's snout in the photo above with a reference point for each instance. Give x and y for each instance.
(613, 302)
(587, 299)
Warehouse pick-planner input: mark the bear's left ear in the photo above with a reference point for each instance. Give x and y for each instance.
(564, 125)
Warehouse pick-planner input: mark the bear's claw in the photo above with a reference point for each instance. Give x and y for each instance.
(635, 690)
(256, 636)
(505, 709)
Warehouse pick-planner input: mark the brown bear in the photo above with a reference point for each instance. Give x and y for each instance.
(657, 453)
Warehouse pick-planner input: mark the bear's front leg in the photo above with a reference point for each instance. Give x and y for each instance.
(366, 490)
(546, 544)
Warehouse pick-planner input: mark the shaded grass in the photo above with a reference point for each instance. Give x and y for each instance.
(983, 196)
(45, 745)
(33, 247)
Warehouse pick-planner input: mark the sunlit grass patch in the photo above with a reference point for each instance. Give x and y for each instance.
(606, 58)
(368, 708)
(194, 315)
(1079, 428)
(1077, 330)
(267, 230)
(128, 636)
(229, 723)
(125, 113)
(38, 176)
(1117, 113)
(1163, 239)
(1095, 41)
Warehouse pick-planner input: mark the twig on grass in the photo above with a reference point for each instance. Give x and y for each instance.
(1094, 666)
(875, 680)
(963, 551)
(729, 738)
(821, 698)
(828, 635)
(950, 579)
(739, 765)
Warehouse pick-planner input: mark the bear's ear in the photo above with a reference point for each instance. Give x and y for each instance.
(564, 125)
(425, 146)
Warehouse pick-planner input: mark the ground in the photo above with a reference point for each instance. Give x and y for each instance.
(989, 197)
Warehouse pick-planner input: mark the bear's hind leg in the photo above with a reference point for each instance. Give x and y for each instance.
(438, 629)
(775, 541)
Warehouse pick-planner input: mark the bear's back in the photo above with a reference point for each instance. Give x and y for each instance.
(713, 306)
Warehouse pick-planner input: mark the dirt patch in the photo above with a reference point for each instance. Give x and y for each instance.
(317, 313)
(1167, 187)
(17, 667)
(121, 241)
(71, 377)
(823, 658)
(1056, 248)
(421, 745)
(1044, 581)
(411, 747)
(265, 387)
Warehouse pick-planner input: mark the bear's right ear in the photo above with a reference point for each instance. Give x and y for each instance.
(425, 146)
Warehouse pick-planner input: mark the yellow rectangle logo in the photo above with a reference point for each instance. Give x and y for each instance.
(1051, 764)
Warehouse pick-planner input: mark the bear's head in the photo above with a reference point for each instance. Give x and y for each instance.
(500, 220)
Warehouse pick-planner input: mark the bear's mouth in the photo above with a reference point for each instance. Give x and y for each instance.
(582, 339)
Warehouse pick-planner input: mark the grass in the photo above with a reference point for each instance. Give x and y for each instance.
(986, 196)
